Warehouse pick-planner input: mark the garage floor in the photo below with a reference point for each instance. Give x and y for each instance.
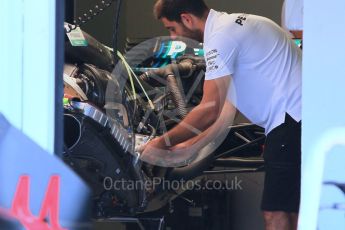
(212, 210)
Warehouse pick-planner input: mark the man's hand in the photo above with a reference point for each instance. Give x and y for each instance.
(154, 147)
(158, 144)
(156, 152)
(182, 140)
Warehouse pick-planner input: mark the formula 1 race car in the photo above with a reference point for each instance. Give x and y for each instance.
(110, 109)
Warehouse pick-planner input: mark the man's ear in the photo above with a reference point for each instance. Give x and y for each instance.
(187, 20)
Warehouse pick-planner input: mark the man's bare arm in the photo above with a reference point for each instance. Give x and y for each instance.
(221, 125)
(203, 115)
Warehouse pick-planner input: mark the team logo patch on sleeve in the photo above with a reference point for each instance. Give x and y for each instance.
(211, 60)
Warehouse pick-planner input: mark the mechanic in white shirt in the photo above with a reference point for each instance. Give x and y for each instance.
(264, 68)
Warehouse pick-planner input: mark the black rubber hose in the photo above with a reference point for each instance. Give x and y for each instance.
(184, 68)
(177, 97)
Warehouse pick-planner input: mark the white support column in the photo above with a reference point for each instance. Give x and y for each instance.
(11, 60)
(323, 98)
(27, 63)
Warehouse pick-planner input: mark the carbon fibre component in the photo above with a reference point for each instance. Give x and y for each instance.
(116, 129)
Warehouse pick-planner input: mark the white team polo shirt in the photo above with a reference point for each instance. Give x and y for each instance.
(264, 62)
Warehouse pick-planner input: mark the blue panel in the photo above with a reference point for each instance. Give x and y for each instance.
(39, 72)
(11, 60)
(323, 97)
(20, 156)
(27, 64)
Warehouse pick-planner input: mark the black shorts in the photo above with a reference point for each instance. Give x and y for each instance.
(282, 157)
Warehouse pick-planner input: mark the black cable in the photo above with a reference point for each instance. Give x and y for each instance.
(115, 30)
(90, 15)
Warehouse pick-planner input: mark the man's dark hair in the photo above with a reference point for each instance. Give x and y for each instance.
(172, 9)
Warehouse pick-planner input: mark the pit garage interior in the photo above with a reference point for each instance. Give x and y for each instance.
(73, 113)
